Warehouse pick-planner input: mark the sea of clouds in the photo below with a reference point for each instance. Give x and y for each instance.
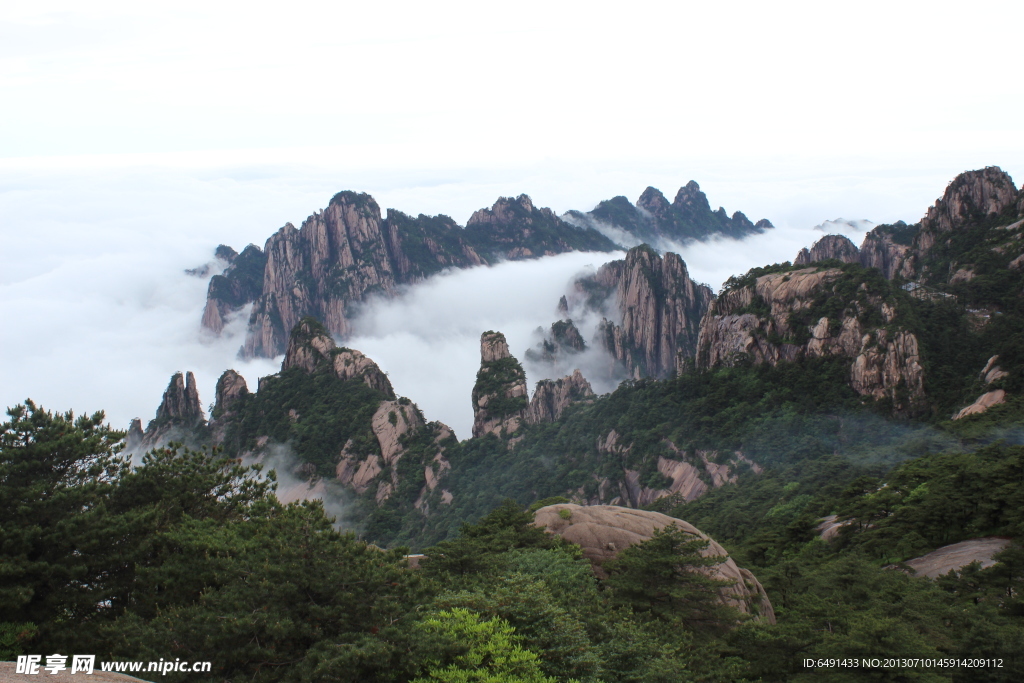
(98, 310)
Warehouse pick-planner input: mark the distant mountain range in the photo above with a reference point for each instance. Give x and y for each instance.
(348, 251)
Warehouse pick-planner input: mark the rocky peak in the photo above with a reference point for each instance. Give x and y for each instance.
(308, 346)
(888, 248)
(827, 248)
(180, 403)
(311, 347)
(780, 317)
(661, 309)
(322, 270)
(653, 201)
(971, 196)
(690, 198)
(499, 395)
(505, 210)
(553, 396)
(563, 339)
(231, 387)
(133, 439)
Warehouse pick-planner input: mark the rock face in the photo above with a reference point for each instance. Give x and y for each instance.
(323, 269)
(240, 284)
(602, 531)
(688, 475)
(561, 341)
(499, 395)
(829, 247)
(776, 318)
(516, 229)
(391, 421)
(656, 221)
(133, 439)
(984, 402)
(311, 347)
(181, 401)
(178, 415)
(957, 556)
(660, 307)
(553, 396)
(346, 253)
(231, 388)
(971, 196)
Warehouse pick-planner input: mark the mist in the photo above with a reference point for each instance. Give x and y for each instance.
(99, 313)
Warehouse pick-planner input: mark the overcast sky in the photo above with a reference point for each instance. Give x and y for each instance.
(135, 137)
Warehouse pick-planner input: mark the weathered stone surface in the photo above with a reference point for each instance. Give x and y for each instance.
(957, 556)
(880, 250)
(8, 675)
(178, 415)
(230, 388)
(500, 393)
(689, 475)
(660, 308)
(829, 247)
(322, 269)
(602, 531)
(886, 360)
(310, 346)
(970, 196)
(992, 372)
(984, 402)
(553, 396)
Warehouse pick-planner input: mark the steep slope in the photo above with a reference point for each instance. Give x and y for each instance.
(499, 395)
(656, 310)
(178, 418)
(795, 313)
(346, 253)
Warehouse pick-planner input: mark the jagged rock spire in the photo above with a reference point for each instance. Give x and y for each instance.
(180, 403)
(499, 396)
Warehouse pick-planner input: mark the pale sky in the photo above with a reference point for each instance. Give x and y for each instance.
(135, 137)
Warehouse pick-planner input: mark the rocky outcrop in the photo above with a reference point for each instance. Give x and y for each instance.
(180, 403)
(392, 421)
(516, 229)
(957, 556)
(562, 341)
(888, 248)
(984, 402)
(178, 416)
(660, 308)
(231, 388)
(241, 283)
(829, 247)
(654, 220)
(133, 439)
(603, 531)
(992, 372)
(689, 475)
(777, 319)
(553, 396)
(499, 395)
(310, 347)
(323, 269)
(971, 196)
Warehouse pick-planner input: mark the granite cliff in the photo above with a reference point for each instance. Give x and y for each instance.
(655, 310)
(346, 253)
(500, 394)
(818, 312)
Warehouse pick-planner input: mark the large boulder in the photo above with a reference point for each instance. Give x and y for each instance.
(603, 531)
